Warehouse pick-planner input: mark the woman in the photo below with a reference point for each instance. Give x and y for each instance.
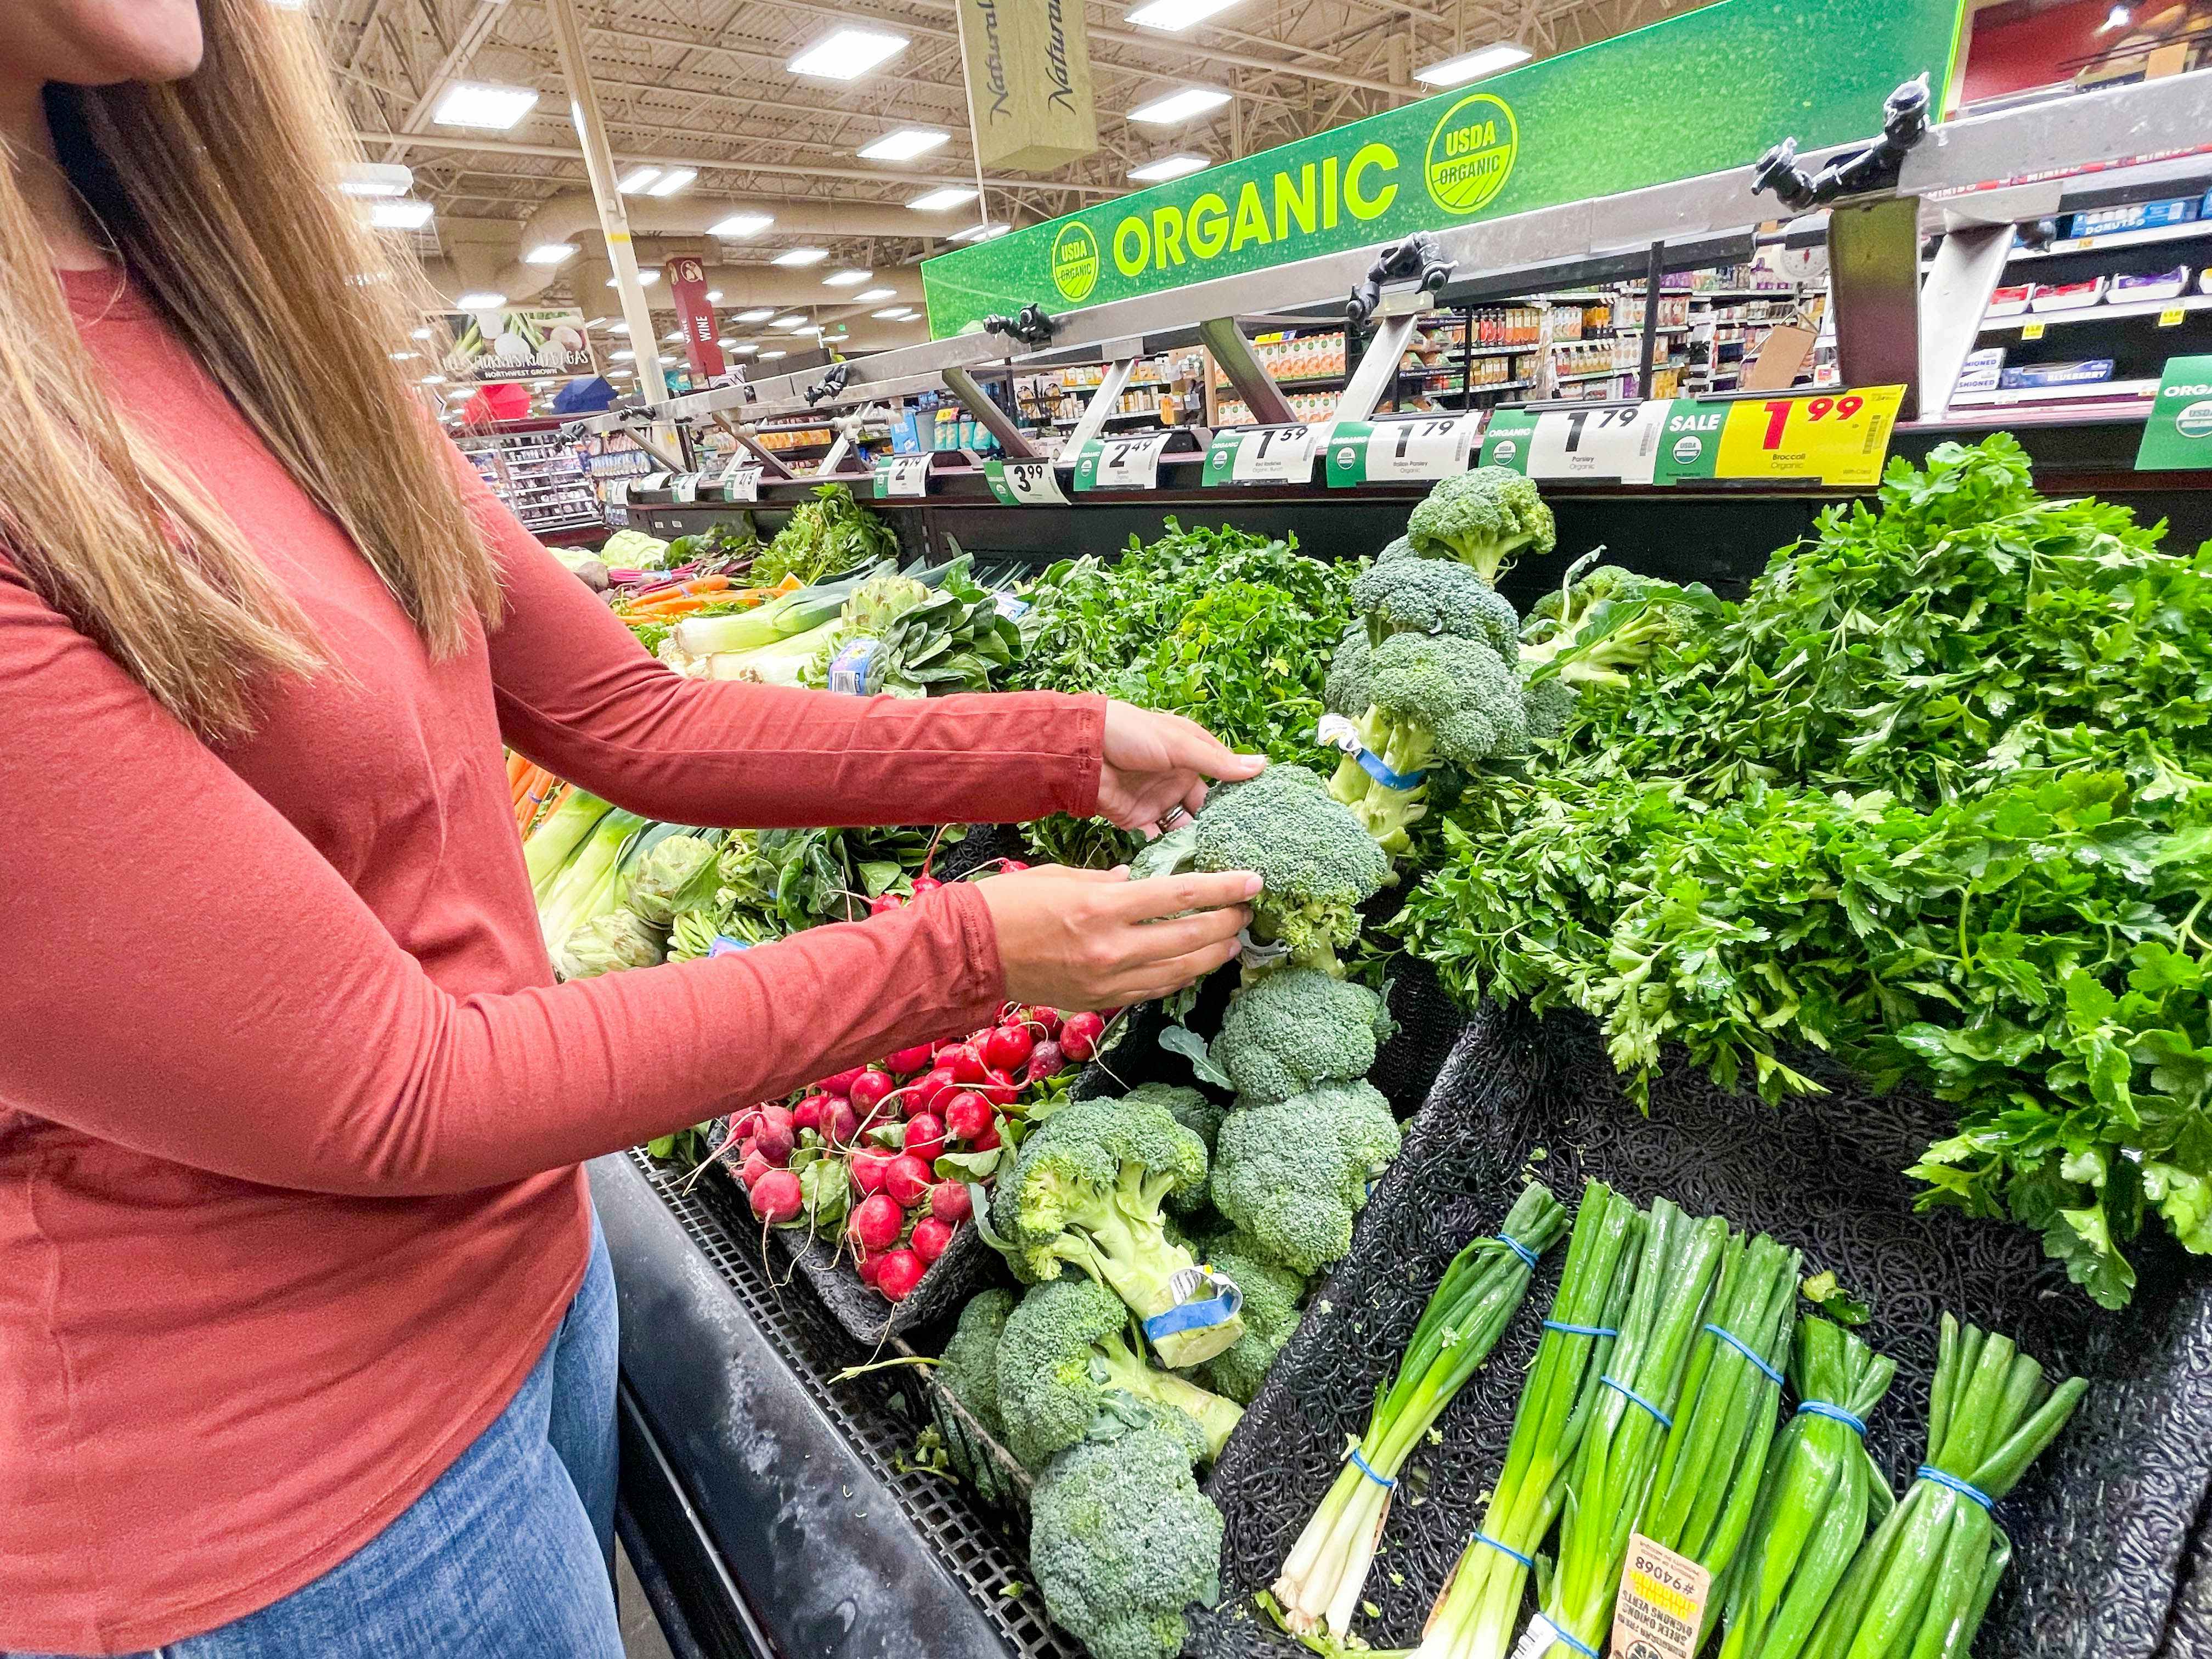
(305, 1335)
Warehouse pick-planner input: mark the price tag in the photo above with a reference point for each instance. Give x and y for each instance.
(906, 476)
(1662, 1609)
(1838, 438)
(1268, 454)
(1506, 439)
(1390, 452)
(1023, 483)
(618, 492)
(683, 488)
(1132, 463)
(2173, 317)
(2178, 436)
(741, 482)
(2031, 331)
(1598, 443)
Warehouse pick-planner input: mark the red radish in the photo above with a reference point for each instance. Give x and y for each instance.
(1046, 1059)
(1007, 1047)
(742, 1124)
(949, 1202)
(999, 1090)
(916, 1058)
(925, 1138)
(1047, 1020)
(868, 1266)
(988, 1141)
(898, 1273)
(1013, 865)
(753, 1169)
(868, 1170)
(966, 1066)
(930, 1236)
(877, 1222)
(906, 1180)
(807, 1115)
(925, 885)
(776, 1196)
(966, 1114)
(929, 1094)
(1079, 1035)
(777, 1135)
(842, 1083)
(840, 1123)
(867, 1089)
(885, 903)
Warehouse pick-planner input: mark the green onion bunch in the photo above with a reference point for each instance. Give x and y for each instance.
(1475, 1616)
(1618, 1460)
(1822, 1489)
(1326, 1568)
(1920, 1585)
(1708, 1475)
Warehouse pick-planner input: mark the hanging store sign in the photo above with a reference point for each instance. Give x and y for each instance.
(694, 316)
(1640, 110)
(2179, 434)
(483, 348)
(1028, 83)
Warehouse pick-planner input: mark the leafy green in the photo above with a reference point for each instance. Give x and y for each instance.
(826, 536)
(1935, 798)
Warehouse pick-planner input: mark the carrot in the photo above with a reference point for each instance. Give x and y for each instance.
(541, 783)
(516, 766)
(537, 815)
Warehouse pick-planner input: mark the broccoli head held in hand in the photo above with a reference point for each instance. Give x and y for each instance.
(1066, 1352)
(1121, 1541)
(1316, 862)
(1292, 1174)
(1295, 1028)
(1483, 519)
(1086, 1190)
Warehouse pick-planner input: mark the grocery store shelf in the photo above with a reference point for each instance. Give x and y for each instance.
(2194, 229)
(1602, 373)
(1737, 293)
(1497, 351)
(2097, 313)
(2009, 397)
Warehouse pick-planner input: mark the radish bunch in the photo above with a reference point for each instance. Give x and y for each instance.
(880, 1156)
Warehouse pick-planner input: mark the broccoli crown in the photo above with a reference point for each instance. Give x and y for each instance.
(1121, 1541)
(1314, 858)
(1295, 1028)
(1187, 1106)
(1270, 1314)
(1434, 596)
(1562, 608)
(969, 1365)
(1482, 519)
(1444, 697)
(1393, 551)
(1066, 1360)
(1345, 691)
(1292, 1174)
(1549, 701)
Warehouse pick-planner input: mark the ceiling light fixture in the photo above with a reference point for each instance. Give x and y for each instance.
(1175, 15)
(475, 104)
(847, 54)
(671, 181)
(983, 233)
(869, 296)
(847, 279)
(1473, 66)
(745, 350)
(790, 319)
(903, 145)
(2118, 18)
(636, 180)
(403, 214)
(766, 355)
(714, 296)
(482, 299)
(758, 314)
(405, 356)
(433, 379)
(801, 256)
(549, 253)
(893, 313)
(376, 179)
(1172, 107)
(622, 357)
(740, 225)
(1168, 166)
(937, 201)
(644, 279)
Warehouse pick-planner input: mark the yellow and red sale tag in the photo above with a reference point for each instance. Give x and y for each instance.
(1839, 438)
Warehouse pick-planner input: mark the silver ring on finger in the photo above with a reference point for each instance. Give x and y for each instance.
(1172, 816)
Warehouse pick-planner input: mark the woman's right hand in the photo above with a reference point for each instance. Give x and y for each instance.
(1093, 938)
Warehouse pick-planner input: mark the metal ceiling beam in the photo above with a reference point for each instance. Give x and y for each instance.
(481, 22)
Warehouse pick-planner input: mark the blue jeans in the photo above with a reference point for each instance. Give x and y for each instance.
(509, 1556)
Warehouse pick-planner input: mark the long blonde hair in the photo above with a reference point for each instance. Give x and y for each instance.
(220, 191)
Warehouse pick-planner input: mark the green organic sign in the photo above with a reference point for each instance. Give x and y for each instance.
(1708, 90)
(2178, 434)
(1690, 441)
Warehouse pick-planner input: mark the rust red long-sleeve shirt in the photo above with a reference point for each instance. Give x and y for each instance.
(290, 1106)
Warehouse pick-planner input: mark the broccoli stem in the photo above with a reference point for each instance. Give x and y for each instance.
(1131, 1255)
(1215, 1417)
(1385, 813)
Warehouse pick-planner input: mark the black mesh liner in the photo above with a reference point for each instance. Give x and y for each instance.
(2103, 1525)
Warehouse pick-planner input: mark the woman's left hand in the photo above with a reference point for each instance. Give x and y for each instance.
(1153, 763)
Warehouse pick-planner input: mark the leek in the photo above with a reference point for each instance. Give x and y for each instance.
(1618, 1458)
(1326, 1568)
(1918, 1588)
(1475, 1616)
(570, 900)
(1822, 1488)
(796, 612)
(781, 662)
(556, 840)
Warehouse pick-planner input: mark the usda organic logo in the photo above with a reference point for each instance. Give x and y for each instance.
(2195, 420)
(1471, 153)
(1687, 449)
(1075, 261)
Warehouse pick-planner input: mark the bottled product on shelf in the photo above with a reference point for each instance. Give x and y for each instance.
(541, 478)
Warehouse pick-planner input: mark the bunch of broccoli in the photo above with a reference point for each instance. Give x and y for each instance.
(1292, 1174)
(1431, 674)
(1594, 630)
